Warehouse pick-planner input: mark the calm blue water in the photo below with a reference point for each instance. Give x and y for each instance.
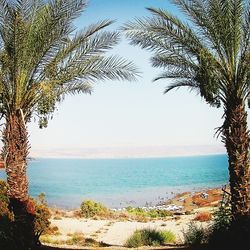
(121, 182)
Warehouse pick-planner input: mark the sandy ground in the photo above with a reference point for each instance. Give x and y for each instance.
(117, 232)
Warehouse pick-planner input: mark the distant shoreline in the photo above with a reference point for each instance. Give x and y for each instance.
(123, 157)
(124, 152)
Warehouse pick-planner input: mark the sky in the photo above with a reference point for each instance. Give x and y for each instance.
(128, 116)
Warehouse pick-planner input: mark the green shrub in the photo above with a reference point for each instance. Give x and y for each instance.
(224, 232)
(138, 212)
(76, 239)
(169, 236)
(42, 215)
(91, 208)
(154, 213)
(220, 230)
(195, 235)
(149, 237)
(6, 217)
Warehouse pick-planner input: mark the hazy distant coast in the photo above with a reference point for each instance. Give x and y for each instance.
(127, 152)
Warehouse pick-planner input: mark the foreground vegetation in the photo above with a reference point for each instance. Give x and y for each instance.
(96, 210)
(37, 208)
(75, 239)
(150, 237)
(217, 235)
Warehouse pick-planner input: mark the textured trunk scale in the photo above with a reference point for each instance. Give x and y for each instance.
(16, 146)
(15, 153)
(236, 138)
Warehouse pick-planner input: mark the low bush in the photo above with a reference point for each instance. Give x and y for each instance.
(149, 237)
(6, 217)
(42, 215)
(203, 216)
(195, 235)
(38, 208)
(169, 236)
(76, 239)
(91, 208)
(52, 230)
(220, 230)
(153, 213)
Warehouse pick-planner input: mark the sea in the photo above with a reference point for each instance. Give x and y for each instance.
(123, 182)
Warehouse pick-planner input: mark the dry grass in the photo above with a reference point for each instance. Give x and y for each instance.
(57, 218)
(75, 239)
(52, 230)
(203, 216)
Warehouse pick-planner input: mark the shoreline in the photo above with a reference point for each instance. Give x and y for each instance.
(137, 198)
(115, 230)
(177, 197)
(144, 197)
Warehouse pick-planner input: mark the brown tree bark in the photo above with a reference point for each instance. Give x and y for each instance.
(15, 153)
(236, 139)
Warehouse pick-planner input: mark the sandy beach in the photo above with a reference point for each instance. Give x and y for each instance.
(115, 231)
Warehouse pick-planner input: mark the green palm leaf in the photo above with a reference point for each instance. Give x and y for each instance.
(42, 56)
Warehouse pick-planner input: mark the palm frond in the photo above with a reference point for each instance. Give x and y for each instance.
(167, 29)
(170, 61)
(99, 68)
(84, 44)
(42, 60)
(177, 74)
(211, 50)
(192, 85)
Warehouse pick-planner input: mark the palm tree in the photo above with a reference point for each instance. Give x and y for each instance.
(210, 53)
(42, 59)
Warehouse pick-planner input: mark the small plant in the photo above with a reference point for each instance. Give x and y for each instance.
(195, 235)
(6, 219)
(93, 243)
(154, 213)
(42, 215)
(149, 237)
(91, 208)
(52, 230)
(76, 239)
(220, 229)
(169, 236)
(203, 216)
(57, 217)
(50, 240)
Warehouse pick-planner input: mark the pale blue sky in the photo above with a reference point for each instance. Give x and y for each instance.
(128, 114)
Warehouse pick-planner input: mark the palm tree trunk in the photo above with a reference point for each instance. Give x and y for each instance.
(15, 152)
(236, 139)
